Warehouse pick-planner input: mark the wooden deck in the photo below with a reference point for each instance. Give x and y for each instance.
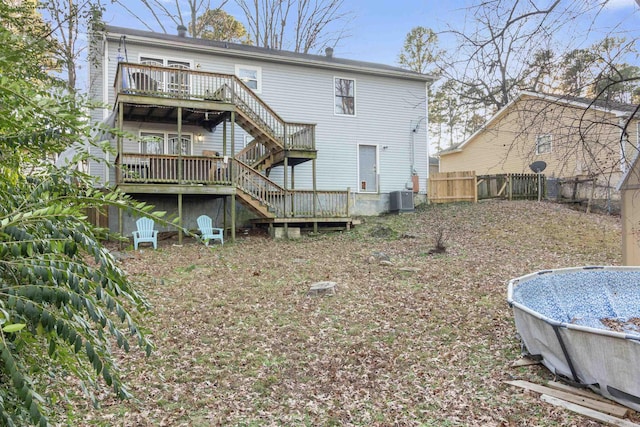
(156, 94)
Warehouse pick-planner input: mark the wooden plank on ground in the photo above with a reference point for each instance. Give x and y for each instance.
(608, 408)
(589, 413)
(525, 361)
(580, 391)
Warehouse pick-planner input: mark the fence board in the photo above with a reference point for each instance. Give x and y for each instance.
(447, 187)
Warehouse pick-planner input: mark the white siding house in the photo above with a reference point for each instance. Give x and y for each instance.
(302, 122)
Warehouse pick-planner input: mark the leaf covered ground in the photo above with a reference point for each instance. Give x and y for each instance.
(419, 340)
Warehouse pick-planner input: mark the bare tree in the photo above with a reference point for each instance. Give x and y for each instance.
(67, 20)
(164, 11)
(299, 25)
(493, 61)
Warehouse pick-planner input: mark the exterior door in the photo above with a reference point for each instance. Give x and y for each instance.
(368, 168)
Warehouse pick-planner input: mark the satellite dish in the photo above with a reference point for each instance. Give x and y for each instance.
(538, 166)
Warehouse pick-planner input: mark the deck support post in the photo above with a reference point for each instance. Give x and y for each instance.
(286, 195)
(224, 138)
(180, 233)
(180, 174)
(180, 165)
(224, 200)
(286, 182)
(119, 163)
(315, 196)
(293, 193)
(231, 174)
(224, 215)
(119, 145)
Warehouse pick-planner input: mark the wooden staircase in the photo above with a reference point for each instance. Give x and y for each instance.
(260, 194)
(273, 140)
(272, 136)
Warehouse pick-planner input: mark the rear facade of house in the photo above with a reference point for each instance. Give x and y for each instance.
(289, 138)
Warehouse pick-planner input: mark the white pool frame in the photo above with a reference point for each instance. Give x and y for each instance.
(606, 361)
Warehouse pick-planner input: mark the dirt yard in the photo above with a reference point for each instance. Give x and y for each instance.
(410, 337)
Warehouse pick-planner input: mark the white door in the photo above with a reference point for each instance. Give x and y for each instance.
(368, 168)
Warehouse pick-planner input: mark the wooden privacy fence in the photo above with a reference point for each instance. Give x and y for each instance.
(447, 187)
(511, 186)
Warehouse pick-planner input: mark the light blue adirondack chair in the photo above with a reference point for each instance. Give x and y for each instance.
(208, 232)
(145, 233)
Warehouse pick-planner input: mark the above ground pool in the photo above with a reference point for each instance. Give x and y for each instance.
(585, 325)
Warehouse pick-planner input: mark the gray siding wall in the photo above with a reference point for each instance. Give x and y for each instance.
(387, 109)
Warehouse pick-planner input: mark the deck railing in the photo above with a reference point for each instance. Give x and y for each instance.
(172, 169)
(182, 83)
(165, 169)
(323, 204)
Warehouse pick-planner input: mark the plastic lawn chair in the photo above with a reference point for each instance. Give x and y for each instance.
(145, 233)
(208, 232)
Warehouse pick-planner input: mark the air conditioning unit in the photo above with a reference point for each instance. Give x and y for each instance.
(401, 201)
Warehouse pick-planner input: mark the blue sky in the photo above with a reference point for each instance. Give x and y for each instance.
(378, 27)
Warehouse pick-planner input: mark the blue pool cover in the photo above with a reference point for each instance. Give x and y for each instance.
(584, 297)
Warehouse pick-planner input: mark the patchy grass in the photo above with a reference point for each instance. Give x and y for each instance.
(425, 341)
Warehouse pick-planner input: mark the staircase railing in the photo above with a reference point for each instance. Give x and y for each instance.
(254, 153)
(259, 187)
(290, 203)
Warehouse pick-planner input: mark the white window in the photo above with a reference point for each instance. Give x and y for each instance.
(543, 144)
(178, 81)
(344, 96)
(159, 80)
(174, 144)
(251, 76)
(151, 143)
(161, 143)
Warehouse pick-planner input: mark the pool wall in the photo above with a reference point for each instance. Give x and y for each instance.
(605, 360)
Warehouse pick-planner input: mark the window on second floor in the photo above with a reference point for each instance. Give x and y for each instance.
(174, 81)
(251, 76)
(345, 96)
(543, 144)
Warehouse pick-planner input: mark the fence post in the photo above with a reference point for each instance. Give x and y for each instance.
(510, 185)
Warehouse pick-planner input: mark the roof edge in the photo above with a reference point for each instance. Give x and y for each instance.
(272, 55)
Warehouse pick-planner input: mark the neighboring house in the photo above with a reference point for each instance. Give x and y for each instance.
(294, 138)
(575, 137)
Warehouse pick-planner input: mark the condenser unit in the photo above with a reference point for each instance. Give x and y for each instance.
(401, 201)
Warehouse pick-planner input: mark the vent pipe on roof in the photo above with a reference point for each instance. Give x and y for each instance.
(182, 31)
(329, 52)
